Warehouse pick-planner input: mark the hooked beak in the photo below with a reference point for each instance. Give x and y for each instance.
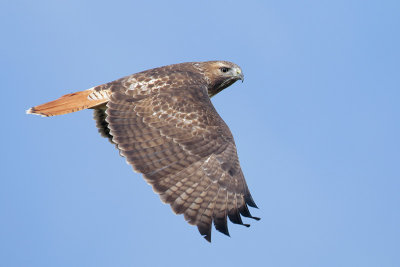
(241, 77)
(239, 74)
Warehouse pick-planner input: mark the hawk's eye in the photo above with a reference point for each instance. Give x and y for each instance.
(224, 69)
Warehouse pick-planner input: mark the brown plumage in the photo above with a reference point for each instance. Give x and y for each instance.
(164, 124)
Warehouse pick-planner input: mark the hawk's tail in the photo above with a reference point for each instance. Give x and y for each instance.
(70, 103)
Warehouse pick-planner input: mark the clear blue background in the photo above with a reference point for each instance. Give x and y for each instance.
(316, 122)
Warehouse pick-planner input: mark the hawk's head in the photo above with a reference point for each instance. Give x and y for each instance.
(220, 75)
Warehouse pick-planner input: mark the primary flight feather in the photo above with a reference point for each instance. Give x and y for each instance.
(164, 124)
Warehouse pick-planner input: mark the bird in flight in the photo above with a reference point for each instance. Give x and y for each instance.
(163, 122)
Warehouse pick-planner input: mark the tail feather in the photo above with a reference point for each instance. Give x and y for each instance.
(70, 103)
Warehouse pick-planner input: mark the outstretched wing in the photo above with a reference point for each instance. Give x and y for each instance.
(175, 137)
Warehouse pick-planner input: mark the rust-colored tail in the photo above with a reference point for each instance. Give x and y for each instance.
(70, 103)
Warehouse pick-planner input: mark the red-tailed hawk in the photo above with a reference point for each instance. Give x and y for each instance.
(164, 124)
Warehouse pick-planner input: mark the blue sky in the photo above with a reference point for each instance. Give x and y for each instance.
(316, 123)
